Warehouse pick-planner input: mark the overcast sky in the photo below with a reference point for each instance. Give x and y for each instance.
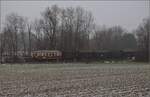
(128, 14)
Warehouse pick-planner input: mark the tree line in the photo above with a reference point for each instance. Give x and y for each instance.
(69, 30)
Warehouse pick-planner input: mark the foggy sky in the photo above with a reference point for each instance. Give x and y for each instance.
(128, 14)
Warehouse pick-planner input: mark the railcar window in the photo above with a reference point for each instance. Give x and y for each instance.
(54, 53)
(58, 54)
(37, 54)
(32, 54)
(46, 54)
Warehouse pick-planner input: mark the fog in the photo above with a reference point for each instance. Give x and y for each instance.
(128, 14)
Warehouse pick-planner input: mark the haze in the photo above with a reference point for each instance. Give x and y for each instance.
(128, 14)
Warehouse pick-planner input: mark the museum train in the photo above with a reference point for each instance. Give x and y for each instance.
(56, 55)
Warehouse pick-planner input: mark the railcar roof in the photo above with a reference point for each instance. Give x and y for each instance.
(47, 51)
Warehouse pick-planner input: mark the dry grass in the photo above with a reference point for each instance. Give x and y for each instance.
(75, 80)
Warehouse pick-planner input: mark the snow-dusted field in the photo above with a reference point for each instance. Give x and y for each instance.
(75, 80)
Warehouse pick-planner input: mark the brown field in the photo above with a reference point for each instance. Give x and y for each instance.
(75, 80)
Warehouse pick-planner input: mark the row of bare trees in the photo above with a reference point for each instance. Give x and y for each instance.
(114, 39)
(143, 39)
(64, 29)
(69, 30)
(14, 36)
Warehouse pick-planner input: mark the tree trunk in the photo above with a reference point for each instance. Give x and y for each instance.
(29, 32)
(148, 37)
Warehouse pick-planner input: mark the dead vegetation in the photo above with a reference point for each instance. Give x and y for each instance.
(75, 80)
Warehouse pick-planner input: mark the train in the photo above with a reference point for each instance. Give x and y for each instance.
(83, 55)
(64, 56)
(46, 55)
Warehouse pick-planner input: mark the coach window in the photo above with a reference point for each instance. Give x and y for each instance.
(54, 53)
(58, 54)
(35, 54)
(46, 54)
(39, 54)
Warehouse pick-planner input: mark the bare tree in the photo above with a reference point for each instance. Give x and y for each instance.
(23, 33)
(1, 48)
(11, 31)
(14, 34)
(143, 34)
(76, 26)
(30, 39)
(84, 25)
(39, 35)
(114, 39)
(50, 25)
(67, 22)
